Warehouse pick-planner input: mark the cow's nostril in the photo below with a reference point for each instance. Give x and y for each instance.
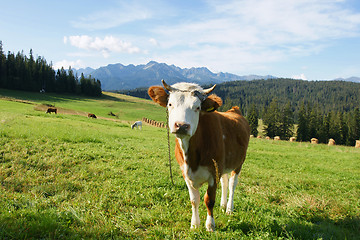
(182, 128)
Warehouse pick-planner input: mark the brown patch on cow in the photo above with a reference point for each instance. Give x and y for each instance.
(209, 199)
(158, 95)
(215, 139)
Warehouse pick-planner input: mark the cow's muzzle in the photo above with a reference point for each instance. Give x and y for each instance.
(181, 128)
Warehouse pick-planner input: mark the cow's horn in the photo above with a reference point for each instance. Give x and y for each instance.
(209, 90)
(166, 86)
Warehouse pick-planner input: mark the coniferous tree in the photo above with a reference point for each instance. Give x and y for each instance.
(335, 127)
(11, 71)
(22, 73)
(324, 128)
(354, 127)
(253, 120)
(315, 121)
(72, 82)
(344, 131)
(287, 123)
(272, 119)
(303, 126)
(3, 76)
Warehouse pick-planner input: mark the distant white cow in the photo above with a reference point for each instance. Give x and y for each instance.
(137, 124)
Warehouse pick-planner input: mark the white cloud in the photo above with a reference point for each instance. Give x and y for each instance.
(104, 45)
(153, 41)
(300, 77)
(260, 32)
(65, 63)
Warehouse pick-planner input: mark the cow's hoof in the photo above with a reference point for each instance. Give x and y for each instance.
(194, 227)
(210, 224)
(229, 212)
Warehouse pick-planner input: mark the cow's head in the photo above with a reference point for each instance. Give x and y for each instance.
(185, 102)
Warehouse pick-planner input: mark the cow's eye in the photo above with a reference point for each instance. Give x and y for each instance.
(198, 109)
(170, 105)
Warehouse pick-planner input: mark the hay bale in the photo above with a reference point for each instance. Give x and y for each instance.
(292, 139)
(259, 137)
(331, 142)
(276, 138)
(251, 136)
(314, 141)
(357, 144)
(267, 138)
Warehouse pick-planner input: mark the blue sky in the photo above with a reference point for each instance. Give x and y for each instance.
(307, 39)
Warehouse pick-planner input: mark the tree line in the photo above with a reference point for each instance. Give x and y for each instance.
(318, 109)
(278, 120)
(19, 72)
(338, 96)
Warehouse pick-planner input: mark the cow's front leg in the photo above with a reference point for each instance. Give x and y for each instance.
(209, 200)
(195, 200)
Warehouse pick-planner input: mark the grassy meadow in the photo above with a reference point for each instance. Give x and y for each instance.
(66, 176)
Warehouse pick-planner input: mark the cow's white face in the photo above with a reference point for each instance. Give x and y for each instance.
(184, 102)
(184, 110)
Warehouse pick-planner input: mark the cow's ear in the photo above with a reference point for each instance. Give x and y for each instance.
(158, 95)
(211, 103)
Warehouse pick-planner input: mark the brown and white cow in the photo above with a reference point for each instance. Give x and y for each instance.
(91, 115)
(209, 144)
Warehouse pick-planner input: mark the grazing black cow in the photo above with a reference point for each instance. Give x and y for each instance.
(51, 109)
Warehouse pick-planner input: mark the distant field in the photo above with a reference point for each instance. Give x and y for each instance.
(66, 176)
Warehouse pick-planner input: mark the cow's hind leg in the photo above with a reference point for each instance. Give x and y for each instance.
(232, 184)
(224, 190)
(209, 200)
(195, 200)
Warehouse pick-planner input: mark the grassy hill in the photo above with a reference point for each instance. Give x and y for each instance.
(66, 176)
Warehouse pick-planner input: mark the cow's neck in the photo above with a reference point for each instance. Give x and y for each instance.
(184, 144)
(188, 147)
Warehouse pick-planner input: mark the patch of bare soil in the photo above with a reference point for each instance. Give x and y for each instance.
(17, 100)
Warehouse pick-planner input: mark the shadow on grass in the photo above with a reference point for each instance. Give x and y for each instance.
(323, 228)
(54, 98)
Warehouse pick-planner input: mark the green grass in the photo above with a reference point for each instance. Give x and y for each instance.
(69, 177)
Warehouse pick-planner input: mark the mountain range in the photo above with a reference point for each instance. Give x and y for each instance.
(120, 77)
(350, 79)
